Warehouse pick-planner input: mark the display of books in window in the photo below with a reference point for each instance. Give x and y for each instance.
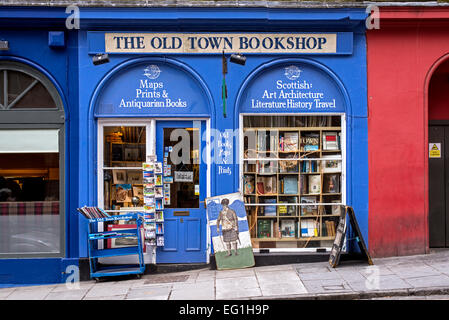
(265, 228)
(331, 141)
(331, 183)
(309, 209)
(314, 184)
(287, 228)
(296, 177)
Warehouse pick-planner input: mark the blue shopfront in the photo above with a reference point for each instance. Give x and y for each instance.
(300, 84)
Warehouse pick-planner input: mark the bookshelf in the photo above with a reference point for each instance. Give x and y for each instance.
(292, 176)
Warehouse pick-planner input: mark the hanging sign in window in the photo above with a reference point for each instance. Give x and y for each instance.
(183, 176)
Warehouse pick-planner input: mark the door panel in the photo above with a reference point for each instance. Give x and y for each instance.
(171, 242)
(437, 191)
(193, 234)
(185, 216)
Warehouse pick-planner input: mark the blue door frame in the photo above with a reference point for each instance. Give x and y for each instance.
(185, 235)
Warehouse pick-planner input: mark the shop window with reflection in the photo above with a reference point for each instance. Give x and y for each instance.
(124, 152)
(293, 179)
(29, 191)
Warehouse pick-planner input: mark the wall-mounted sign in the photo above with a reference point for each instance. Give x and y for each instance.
(434, 150)
(218, 42)
(152, 87)
(295, 87)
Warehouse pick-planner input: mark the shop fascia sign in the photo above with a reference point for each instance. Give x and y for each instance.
(219, 42)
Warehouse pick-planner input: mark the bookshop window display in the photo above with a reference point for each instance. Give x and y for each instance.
(124, 152)
(293, 179)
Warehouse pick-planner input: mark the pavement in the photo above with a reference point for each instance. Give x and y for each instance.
(409, 277)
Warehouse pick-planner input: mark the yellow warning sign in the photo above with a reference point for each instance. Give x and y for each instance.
(434, 150)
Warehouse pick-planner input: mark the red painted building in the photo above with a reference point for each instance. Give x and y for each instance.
(408, 96)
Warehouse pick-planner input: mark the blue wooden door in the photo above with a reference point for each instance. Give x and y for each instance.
(179, 145)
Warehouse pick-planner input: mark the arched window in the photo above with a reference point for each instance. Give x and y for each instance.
(31, 163)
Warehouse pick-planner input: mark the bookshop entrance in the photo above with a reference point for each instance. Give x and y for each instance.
(179, 146)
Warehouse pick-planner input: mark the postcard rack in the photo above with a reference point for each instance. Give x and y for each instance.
(95, 238)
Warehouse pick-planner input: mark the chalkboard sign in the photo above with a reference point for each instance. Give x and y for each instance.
(334, 257)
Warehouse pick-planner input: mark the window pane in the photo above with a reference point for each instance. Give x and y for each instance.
(29, 141)
(17, 83)
(124, 147)
(29, 203)
(37, 98)
(184, 163)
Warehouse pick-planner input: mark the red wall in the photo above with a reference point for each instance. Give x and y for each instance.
(401, 55)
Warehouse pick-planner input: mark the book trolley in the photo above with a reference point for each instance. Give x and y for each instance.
(95, 252)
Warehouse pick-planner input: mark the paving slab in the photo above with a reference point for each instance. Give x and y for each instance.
(414, 271)
(149, 293)
(104, 291)
(235, 288)
(29, 293)
(326, 286)
(429, 281)
(193, 291)
(388, 282)
(67, 295)
(221, 274)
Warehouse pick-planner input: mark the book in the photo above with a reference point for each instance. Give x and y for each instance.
(336, 209)
(314, 184)
(288, 210)
(287, 228)
(269, 211)
(330, 141)
(330, 164)
(266, 185)
(248, 184)
(309, 209)
(289, 184)
(310, 142)
(331, 183)
(122, 192)
(265, 228)
(290, 141)
(308, 228)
